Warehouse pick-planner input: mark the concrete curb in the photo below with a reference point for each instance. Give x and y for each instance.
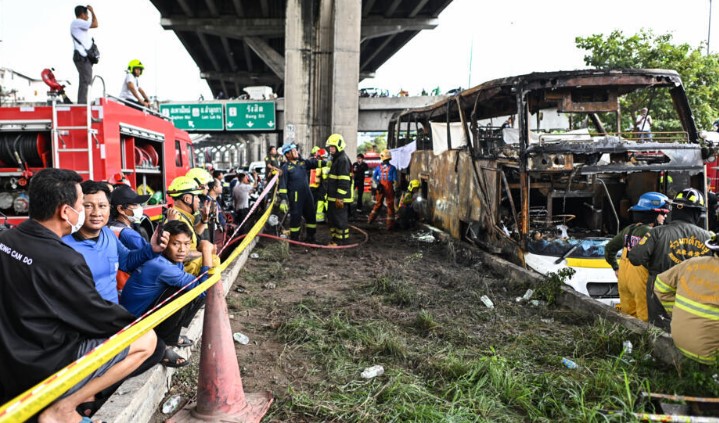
(138, 398)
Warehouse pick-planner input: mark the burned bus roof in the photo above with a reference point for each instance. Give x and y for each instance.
(543, 89)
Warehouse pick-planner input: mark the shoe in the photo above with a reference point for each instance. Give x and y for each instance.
(183, 342)
(173, 359)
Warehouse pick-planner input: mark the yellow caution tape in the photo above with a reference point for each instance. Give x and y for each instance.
(35, 399)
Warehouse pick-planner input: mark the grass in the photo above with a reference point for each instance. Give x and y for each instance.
(457, 361)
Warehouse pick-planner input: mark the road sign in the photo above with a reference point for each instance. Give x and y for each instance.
(250, 116)
(195, 117)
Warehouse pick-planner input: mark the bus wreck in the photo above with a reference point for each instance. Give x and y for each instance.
(542, 168)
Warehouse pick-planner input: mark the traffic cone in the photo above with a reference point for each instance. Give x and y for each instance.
(220, 396)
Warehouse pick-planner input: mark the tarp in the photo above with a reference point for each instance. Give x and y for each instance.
(402, 155)
(439, 136)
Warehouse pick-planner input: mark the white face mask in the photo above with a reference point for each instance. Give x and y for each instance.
(136, 215)
(80, 220)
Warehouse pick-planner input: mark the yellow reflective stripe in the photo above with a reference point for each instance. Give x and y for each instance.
(311, 225)
(297, 229)
(341, 191)
(331, 199)
(700, 358)
(706, 311)
(296, 193)
(598, 263)
(662, 287)
(283, 190)
(668, 306)
(340, 177)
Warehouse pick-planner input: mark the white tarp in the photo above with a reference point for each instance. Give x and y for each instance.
(402, 155)
(439, 136)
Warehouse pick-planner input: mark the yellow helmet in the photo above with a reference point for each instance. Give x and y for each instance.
(135, 63)
(337, 141)
(385, 155)
(413, 185)
(200, 175)
(315, 149)
(183, 185)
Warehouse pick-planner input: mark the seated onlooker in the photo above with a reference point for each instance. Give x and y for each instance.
(103, 251)
(50, 312)
(163, 276)
(125, 214)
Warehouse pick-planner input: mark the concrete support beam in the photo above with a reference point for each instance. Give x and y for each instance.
(378, 27)
(299, 43)
(270, 56)
(345, 71)
(242, 77)
(227, 26)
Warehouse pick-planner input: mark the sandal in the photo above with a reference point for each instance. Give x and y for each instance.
(183, 342)
(172, 359)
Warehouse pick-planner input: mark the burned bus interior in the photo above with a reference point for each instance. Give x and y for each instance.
(548, 164)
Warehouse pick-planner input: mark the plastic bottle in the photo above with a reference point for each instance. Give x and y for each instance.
(373, 371)
(171, 404)
(241, 338)
(627, 347)
(487, 302)
(527, 295)
(569, 363)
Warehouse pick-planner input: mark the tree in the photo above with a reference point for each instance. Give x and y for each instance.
(645, 50)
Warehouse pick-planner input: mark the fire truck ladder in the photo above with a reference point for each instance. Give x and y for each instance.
(58, 131)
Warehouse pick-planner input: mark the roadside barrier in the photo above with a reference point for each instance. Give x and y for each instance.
(35, 399)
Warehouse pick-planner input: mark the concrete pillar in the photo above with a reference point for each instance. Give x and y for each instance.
(322, 71)
(345, 71)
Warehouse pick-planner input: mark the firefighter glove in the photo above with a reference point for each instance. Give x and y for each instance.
(284, 207)
(339, 203)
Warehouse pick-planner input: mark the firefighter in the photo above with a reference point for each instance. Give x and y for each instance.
(649, 211)
(407, 216)
(339, 189)
(272, 163)
(386, 180)
(317, 187)
(203, 179)
(295, 192)
(131, 91)
(688, 293)
(668, 245)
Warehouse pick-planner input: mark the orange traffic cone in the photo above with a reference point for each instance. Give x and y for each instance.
(220, 396)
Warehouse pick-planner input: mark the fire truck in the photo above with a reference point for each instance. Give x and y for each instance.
(103, 141)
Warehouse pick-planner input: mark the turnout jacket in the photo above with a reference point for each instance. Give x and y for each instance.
(688, 293)
(48, 307)
(339, 184)
(295, 177)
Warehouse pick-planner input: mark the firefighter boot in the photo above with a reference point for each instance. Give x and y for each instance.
(371, 218)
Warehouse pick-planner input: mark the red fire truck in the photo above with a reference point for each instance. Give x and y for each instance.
(103, 141)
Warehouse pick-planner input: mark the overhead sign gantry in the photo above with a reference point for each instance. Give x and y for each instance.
(257, 116)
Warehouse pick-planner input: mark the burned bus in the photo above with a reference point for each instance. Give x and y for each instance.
(542, 168)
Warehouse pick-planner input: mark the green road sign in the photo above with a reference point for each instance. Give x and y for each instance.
(195, 117)
(250, 116)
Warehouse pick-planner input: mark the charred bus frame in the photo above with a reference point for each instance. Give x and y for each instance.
(529, 189)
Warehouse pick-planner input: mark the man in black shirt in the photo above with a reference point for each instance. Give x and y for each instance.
(358, 171)
(50, 312)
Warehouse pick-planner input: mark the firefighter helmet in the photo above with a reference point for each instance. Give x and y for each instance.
(652, 202)
(183, 185)
(337, 141)
(385, 155)
(691, 198)
(287, 148)
(315, 149)
(322, 152)
(200, 175)
(135, 64)
(413, 185)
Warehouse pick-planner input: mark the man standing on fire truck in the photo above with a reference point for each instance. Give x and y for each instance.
(79, 30)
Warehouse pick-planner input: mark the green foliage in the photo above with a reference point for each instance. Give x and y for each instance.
(699, 73)
(551, 286)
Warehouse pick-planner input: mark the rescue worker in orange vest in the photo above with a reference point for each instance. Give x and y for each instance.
(649, 211)
(386, 178)
(294, 190)
(339, 190)
(186, 193)
(667, 245)
(688, 293)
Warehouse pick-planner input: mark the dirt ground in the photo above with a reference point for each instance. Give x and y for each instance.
(393, 279)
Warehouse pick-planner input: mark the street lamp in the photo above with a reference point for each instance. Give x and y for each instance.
(710, 26)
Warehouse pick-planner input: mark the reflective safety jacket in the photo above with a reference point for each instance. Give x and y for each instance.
(339, 185)
(294, 180)
(689, 292)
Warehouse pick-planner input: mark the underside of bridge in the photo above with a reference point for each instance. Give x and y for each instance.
(239, 43)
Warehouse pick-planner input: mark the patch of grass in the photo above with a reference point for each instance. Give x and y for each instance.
(550, 287)
(425, 323)
(250, 301)
(275, 252)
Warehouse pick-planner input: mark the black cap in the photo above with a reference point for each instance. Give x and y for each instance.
(125, 195)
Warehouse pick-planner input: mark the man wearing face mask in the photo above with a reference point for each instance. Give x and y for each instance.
(125, 216)
(50, 312)
(103, 251)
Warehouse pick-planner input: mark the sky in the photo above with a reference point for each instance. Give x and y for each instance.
(502, 38)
